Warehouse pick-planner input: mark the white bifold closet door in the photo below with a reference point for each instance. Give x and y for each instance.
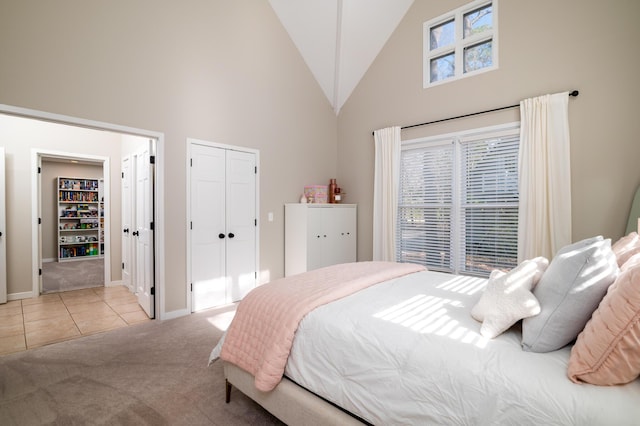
(223, 225)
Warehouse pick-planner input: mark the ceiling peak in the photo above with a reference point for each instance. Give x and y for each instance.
(339, 39)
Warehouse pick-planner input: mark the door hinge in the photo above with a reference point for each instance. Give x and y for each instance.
(152, 159)
(255, 222)
(256, 274)
(255, 170)
(190, 225)
(40, 271)
(39, 169)
(122, 265)
(122, 175)
(39, 221)
(191, 162)
(152, 291)
(151, 226)
(191, 286)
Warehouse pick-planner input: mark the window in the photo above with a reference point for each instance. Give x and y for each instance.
(458, 201)
(461, 43)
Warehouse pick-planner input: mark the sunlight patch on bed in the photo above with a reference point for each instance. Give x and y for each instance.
(463, 284)
(429, 315)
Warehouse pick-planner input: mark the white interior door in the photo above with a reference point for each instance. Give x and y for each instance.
(143, 232)
(241, 223)
(3, 245)
(127, 224)
(207, 227)
(39, 227)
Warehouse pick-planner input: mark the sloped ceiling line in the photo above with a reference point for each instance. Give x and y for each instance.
(336, 75)
(339, 39)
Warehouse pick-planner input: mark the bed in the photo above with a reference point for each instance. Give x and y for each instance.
(406, 350)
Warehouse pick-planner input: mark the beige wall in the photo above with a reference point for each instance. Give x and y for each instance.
(20, 136)
(51, 170)
(222, 71)
(545, 47)
(227, 72)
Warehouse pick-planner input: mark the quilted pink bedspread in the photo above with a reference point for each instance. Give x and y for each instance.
(261, 334)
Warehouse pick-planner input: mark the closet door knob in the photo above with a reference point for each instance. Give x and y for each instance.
(125, 230)
(221, 236)
(135, 233)
(231, 235)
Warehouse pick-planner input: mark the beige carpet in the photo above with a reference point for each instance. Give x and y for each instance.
(72, 275)
(154, 373)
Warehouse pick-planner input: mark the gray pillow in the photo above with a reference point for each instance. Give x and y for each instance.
(569, 291)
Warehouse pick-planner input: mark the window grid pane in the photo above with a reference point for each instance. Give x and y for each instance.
(443, 67)
(478, 56)
(489, 210)
(425, 204)
(442, 35)
(478, 21)
(425, 236)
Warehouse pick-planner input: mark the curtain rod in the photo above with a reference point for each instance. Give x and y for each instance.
(572, 93)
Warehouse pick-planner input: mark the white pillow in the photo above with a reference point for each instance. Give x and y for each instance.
(569, 291)
(508, 297)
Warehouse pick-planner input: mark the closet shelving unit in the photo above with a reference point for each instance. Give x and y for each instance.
(79, 219)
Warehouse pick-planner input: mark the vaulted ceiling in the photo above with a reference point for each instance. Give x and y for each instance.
(339, 39)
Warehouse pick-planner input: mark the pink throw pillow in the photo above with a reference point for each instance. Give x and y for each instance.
(631, 262)
(607, 351)
(626, 247)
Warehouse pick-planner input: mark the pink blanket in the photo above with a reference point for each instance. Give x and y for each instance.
(260, 337)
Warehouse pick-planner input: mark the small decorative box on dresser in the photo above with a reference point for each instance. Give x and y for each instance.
(318, 235)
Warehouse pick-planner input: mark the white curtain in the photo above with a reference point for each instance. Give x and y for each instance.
(544, 222)
(385, 192)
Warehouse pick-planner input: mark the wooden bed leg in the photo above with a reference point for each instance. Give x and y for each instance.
(227, 385)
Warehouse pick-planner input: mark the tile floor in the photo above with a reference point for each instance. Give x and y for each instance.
(51, 318)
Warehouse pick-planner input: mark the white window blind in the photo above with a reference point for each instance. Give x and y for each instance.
(425, 206)
(458, 203)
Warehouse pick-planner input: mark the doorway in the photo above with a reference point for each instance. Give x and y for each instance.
(72, 201)
(16, 149)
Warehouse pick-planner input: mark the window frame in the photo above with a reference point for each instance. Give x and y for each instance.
(457, 252)
(460, 44)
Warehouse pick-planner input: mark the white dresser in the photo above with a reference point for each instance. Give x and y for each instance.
(318, 235)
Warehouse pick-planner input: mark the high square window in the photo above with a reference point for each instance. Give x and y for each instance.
(460, 43)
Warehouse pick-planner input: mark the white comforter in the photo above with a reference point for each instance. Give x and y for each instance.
(408, 352)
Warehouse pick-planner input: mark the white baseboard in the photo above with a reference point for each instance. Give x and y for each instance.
(114, 283)
(49, 260)
(175, 314)
(20, 296)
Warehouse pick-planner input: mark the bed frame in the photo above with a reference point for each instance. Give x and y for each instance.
(289, 402)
